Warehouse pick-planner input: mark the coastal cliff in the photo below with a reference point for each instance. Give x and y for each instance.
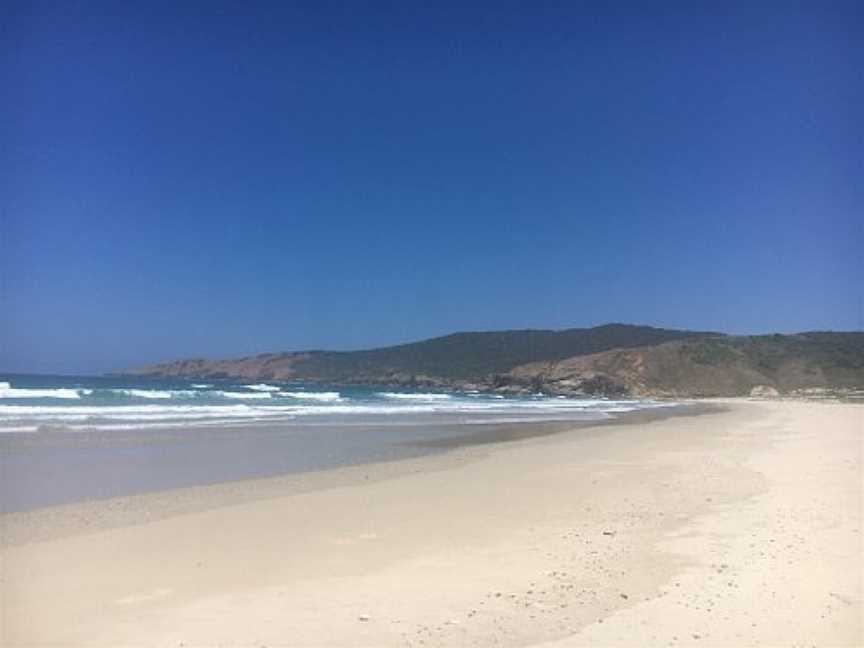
(718, 366)
(609, 360)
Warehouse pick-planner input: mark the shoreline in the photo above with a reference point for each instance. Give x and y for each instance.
(118, 510)
(730, 528)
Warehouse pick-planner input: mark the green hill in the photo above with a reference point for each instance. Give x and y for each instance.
(711, 366)
(464, 356)
(475, 355)
(613, 359)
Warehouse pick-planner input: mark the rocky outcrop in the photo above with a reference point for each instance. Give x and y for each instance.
(764, 391)
(765, 366)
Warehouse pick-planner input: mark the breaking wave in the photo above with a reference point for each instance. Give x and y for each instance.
(115, 405)
(330, 397)
(242, 395)
(262, 388)
(8, 391)
(153, 393)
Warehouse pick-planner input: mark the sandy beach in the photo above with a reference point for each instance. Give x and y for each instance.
(738, 527)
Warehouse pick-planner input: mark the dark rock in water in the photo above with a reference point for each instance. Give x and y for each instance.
(764, 391)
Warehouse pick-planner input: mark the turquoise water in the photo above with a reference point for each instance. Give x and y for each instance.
(33, 403)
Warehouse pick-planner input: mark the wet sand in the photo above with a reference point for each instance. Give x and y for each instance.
(735, 528)
(60, 467)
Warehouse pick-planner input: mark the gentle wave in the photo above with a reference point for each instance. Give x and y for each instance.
(134, 412)
(9, 412)
(155, 393)
(242, 395)
(134, 406)
(8, 391)
(19, 428)
(316, 396)
(262, 387)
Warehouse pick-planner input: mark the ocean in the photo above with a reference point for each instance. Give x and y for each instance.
(75, 403)
(64, 439)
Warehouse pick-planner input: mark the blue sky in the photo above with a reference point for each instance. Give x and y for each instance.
(218, 179)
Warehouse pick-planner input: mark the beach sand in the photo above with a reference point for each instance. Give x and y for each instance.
(740, 527)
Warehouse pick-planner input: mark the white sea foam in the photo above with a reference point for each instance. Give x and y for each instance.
(149, 393)
(331, 397)
(201, 386)
(425, 397)
(8, 412)
(262, 387)
(142, 393)
(214, 407)
(19, 428)
(8, 391)
(242, 395)
(95, 410)
(134, 412)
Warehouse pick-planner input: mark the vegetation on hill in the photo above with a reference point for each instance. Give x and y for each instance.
(614, 359)
(460, 356)
(710, 366)
(473, 356)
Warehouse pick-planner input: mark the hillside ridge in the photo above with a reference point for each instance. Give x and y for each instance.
(612, 359)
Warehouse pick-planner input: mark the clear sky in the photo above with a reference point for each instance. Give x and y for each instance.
(219, 179)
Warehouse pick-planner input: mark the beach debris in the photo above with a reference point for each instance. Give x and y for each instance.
(364, 617)
(624, 596)
(609, 533)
